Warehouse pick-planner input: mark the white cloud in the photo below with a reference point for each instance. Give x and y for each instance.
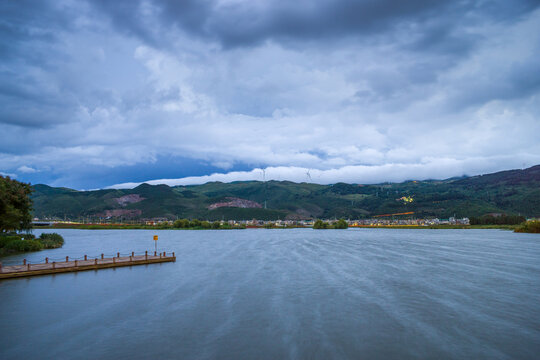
(26, 169)
(359, 174)
(13, 176)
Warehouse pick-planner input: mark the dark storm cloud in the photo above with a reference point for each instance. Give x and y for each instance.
(28, 29)
(351, 89)
(441, 29)
(517, 80)
(28, 39)
(249, 23)
(25, 102)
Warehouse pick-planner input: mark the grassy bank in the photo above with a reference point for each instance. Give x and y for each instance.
(138, 227)
(12, 243)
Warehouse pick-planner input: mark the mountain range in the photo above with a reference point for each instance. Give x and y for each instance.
(513, 192)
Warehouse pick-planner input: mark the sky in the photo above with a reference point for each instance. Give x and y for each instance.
(98, 94)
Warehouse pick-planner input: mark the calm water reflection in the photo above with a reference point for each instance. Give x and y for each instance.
(274, 294)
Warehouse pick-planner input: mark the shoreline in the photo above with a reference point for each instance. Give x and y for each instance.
(150, 227)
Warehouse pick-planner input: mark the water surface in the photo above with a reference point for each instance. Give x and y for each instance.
(270, 294)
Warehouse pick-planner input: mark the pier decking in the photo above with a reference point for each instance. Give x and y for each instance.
(55, 267)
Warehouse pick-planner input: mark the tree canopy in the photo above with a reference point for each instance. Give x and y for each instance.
(341, 224)
(15, 205)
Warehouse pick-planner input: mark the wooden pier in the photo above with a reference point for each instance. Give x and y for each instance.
(83, 264)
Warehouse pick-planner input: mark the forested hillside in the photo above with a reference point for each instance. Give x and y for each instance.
(511, 192)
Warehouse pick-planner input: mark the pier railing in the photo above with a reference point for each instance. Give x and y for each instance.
(70, 264)
(7, 262)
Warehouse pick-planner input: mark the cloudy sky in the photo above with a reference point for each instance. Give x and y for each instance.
(99, 93)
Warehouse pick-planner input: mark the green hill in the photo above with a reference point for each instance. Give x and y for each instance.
(511, 192)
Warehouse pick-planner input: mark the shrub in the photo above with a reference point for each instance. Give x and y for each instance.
(532, 226)
(52, 236)
(19, 245)
(216, 225)
(51, 241)
(4, 240)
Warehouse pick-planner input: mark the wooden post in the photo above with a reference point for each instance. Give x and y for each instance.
(28, 267)
(101, 256)
(164, 254)
(155, 253)
(118, 255)
(131, 259)
(132, 253)
(24, 261)
(46, 260)
(54, 264)
(173, 254)
(114, 260)
(85, 257)
(146, 255)
(67, 258)
(75, 263)
(95, 261)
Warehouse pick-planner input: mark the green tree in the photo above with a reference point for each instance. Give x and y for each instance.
(15, 205)
(195, 223)
(341, 224)
(497, 220)
(164, 225)
(319, 224)
(181, 223)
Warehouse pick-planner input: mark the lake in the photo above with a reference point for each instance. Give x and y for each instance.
(283, 294)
